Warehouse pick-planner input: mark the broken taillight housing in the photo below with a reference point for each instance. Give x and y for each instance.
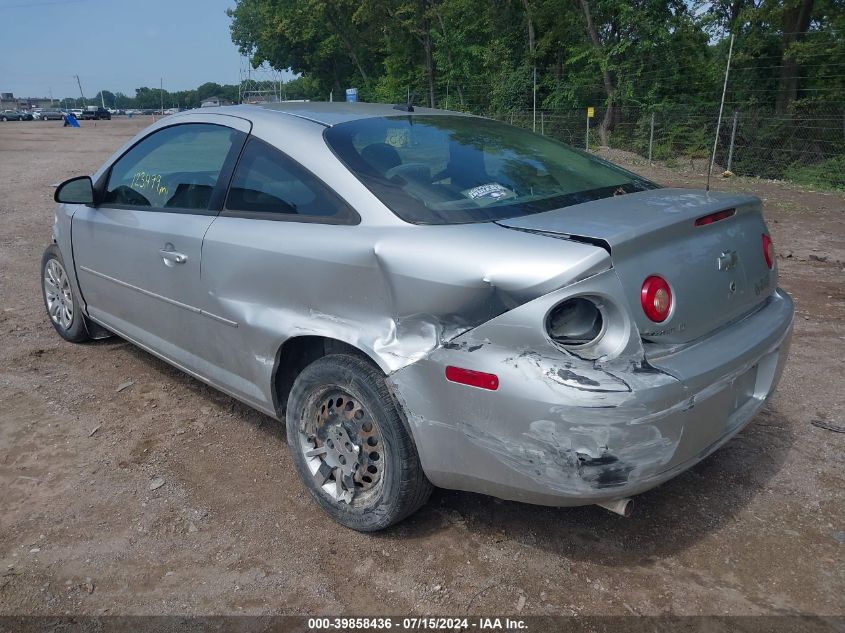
(575, 322)
(769, 251)
(656, 297)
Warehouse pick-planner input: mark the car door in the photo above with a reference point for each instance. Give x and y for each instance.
(138, 252)
(277, 252)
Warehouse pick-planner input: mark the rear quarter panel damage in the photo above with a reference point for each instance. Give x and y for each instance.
(558, 426)
(563, 430)
(396, 293)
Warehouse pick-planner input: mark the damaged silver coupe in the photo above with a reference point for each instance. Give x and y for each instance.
(429, 299)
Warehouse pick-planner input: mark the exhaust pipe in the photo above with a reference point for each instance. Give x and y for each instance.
(623, 507)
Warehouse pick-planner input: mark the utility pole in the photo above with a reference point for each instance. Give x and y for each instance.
(161, 92)
(79, 83)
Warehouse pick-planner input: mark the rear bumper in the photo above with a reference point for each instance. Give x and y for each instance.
(612, 433)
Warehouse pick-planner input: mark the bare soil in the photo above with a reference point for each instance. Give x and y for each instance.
(758, 528)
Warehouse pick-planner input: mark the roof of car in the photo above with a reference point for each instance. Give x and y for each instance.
(330, 114)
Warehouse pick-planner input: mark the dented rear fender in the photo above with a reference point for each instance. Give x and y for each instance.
(395, 293)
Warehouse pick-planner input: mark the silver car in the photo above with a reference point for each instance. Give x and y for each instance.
(429, 299)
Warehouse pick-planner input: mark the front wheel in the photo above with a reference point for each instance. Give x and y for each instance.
(62, 305)
(350, 446)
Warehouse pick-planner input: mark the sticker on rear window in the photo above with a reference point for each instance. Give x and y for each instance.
(490, 192)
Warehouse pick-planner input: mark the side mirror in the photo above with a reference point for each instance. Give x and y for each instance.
(79, 190)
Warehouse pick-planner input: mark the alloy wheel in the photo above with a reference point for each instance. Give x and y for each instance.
(58, 294)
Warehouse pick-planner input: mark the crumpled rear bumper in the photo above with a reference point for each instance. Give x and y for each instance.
(559, 432)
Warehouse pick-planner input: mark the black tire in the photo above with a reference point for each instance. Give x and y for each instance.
(402, 486)
(74, 330)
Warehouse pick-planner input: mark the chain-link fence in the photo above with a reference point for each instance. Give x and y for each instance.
(806, 146)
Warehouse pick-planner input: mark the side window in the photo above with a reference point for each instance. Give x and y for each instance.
(269, 185)
(176, 167)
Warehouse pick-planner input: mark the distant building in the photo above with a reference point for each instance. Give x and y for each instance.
(213, 102)
(8, 101)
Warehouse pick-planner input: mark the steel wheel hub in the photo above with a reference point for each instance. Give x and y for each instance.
(342, 447)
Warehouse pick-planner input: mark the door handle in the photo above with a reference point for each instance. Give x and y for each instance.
(173, 257)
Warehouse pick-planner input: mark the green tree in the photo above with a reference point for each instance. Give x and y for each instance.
(323, 38)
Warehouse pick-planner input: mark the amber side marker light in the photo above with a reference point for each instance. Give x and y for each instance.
(769, 251)
(714, 217)
(472, 378)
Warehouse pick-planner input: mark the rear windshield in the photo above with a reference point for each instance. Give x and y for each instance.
(454, 169)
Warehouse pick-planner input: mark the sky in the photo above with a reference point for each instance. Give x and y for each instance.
(115, 45)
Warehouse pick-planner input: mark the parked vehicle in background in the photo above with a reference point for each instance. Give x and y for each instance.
(77, 112)
(26, 116)
(50, 115)
(486, 309)
(10, 115)
(94, 113)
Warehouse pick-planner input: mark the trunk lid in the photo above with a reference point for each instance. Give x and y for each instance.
(717, 272)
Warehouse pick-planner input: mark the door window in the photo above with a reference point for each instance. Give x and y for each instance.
(174, 168)
(269, 185)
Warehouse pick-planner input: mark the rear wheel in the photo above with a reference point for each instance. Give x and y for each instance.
(62, 305)
(350, 446)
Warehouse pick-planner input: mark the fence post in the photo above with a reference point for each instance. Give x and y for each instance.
(651, 138)
(587, 142)
(733, 137)
(534, 105)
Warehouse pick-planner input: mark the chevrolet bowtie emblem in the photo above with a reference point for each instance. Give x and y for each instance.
(727, 260)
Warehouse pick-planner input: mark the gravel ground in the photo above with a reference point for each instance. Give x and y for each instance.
(757, 528)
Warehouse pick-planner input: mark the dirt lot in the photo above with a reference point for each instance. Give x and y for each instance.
(758, 528)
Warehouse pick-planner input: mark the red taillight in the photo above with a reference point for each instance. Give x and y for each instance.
(656, 297)
(472, 378)
(769, 251)
(714, 217)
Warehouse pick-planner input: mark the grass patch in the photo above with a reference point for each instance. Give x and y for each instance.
(828, 174)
